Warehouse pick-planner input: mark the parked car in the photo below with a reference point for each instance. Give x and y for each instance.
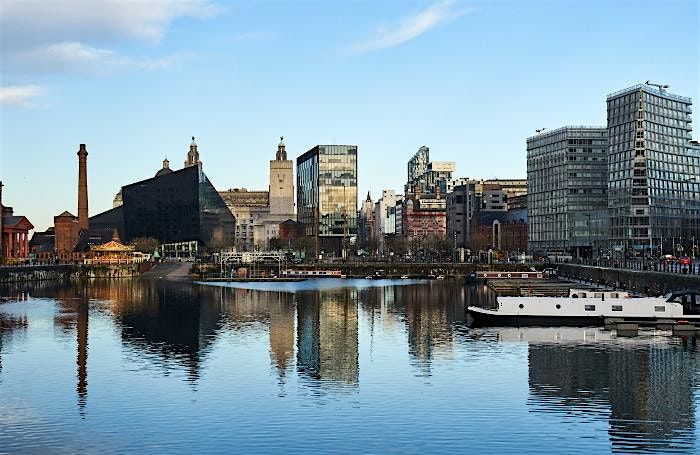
(685, 260)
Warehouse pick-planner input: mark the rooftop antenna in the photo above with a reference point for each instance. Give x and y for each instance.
(662, 87)
(538, 131)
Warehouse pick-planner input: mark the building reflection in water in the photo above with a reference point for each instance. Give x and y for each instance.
(327, 336)
(73, 314)
(10, 325)
(174, 323)
(644, 390)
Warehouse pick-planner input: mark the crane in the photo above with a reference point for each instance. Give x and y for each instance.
(661, 87)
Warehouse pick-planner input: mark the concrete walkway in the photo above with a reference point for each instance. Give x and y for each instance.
(170, 271)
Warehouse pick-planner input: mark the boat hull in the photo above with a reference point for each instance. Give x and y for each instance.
(491, 320)
(481, 319)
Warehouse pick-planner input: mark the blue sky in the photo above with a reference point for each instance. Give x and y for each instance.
(472, 80)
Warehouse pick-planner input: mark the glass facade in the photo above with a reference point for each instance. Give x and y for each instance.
(178, 207)
(654, 186)
(567, 176)
(327, 191)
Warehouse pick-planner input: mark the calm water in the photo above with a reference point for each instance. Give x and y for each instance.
(325, 366)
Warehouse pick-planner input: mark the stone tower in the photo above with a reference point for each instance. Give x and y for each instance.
(83, 217)
(281, 183)
(192, 155)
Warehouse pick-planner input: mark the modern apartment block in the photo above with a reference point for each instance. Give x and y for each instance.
(327, 195)
(567, 181)
(654, 186)
(460, 206)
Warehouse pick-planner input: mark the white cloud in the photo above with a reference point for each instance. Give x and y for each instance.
(410, 27)
(95, 20)
(72, 56)
(44, 36)
(20, 95)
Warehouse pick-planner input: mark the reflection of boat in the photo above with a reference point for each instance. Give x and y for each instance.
(588, 307)
(441, 277)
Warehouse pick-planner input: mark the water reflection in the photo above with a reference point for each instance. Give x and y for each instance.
(644, 389)
(287, 350)
(327, 338)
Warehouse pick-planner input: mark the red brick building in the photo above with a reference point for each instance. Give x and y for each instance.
(424, 217)
(15, 235)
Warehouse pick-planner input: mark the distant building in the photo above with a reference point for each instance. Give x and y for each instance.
(178, 206)
(327, 195)
(249, 208)
(460, 208)
(42, 246)
(654, 169)
(567, 180)
(424, 217)
(487, 215)
(181, 209)
(385, 217)
(504, 231)
(66, 235)
(417, 165)
(259, 213)
(15, 235)
(365, 223)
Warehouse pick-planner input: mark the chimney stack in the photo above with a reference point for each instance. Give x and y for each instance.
(83, 218)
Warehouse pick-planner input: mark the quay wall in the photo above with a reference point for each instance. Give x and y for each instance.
(22, 274)
(368, 268)
(26, 274)
(644, 281)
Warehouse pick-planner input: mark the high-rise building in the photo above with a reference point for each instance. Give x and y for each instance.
(418, 164)
(654, 185)
(567, 185)
(327, 195)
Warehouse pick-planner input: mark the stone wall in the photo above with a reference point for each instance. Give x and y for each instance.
(67, 272)
(37, 273)
(647, 282)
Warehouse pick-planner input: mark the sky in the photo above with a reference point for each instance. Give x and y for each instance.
(134, 80)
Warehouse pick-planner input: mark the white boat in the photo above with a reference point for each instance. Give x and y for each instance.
(585, 307)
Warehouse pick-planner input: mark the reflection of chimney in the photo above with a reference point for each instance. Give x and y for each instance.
(83, 220)
(82, 354)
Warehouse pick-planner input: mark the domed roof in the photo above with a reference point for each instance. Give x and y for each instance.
(163, 171)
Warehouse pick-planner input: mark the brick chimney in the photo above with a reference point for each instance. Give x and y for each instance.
(83, 218)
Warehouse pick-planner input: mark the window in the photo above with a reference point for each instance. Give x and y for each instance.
(617, 307)
(661, 308)
(589, 307)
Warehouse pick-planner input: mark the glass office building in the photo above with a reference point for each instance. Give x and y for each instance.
(567, 177)
(327, 194)
(654, 185)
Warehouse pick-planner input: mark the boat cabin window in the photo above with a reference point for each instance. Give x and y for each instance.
(659, 308)
(598, 295)
(589, 307)
(583, 295)
(617, 307)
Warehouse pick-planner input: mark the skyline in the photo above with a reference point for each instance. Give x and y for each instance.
(143, 81)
